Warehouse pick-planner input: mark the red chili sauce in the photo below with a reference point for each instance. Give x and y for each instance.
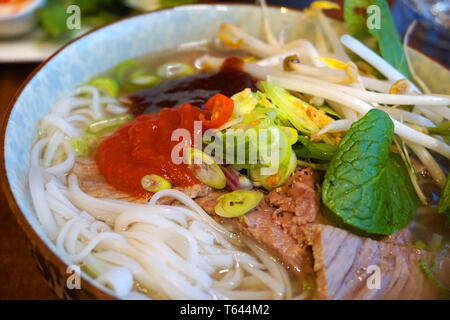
(144, 146)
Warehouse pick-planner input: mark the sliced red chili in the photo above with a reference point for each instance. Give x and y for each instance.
(221, 108)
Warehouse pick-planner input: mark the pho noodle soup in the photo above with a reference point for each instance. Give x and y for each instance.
(250, 169)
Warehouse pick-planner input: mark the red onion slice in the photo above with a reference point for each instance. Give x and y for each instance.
(232, 178)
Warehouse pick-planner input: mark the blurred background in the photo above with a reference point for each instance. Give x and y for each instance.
(31, 30)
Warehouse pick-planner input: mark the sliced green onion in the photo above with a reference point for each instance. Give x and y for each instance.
(80, 146)
(107, 124)
(107, 85)
(124, 68)
(205, 169)
(284, 148)
(154, 183)
(90, 139)
(292, 134)
(237, 203)
(141, 78)
(286, 164)
(169, 70)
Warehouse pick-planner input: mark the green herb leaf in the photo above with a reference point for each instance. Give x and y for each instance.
(444, 203)
(366, 185)
(389, 41)
(306, 149)
(355, 14)
(53, 15)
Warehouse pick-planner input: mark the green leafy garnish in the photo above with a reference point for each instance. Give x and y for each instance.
(366, 185)
(291, 106)
(444, 203)
(388, 39)
(53, 15)
(306, 149)
(106, 85)
(354, 15)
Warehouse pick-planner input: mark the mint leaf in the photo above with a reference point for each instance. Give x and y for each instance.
(389, 41)
(366, 185)
(444, 203)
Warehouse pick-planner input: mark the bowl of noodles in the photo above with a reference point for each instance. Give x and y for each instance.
(110, 168)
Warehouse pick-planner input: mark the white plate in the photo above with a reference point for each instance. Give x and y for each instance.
(32, 47)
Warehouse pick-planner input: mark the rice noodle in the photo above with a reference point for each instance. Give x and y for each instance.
(62, 125)
(118, 279)
(44, 215)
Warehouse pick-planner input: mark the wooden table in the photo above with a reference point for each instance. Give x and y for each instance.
(19, 275)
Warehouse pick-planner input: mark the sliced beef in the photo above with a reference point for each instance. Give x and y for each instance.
(93, 183)
(287, 223)
(260, 226)
(278, 222)
(341, 261)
